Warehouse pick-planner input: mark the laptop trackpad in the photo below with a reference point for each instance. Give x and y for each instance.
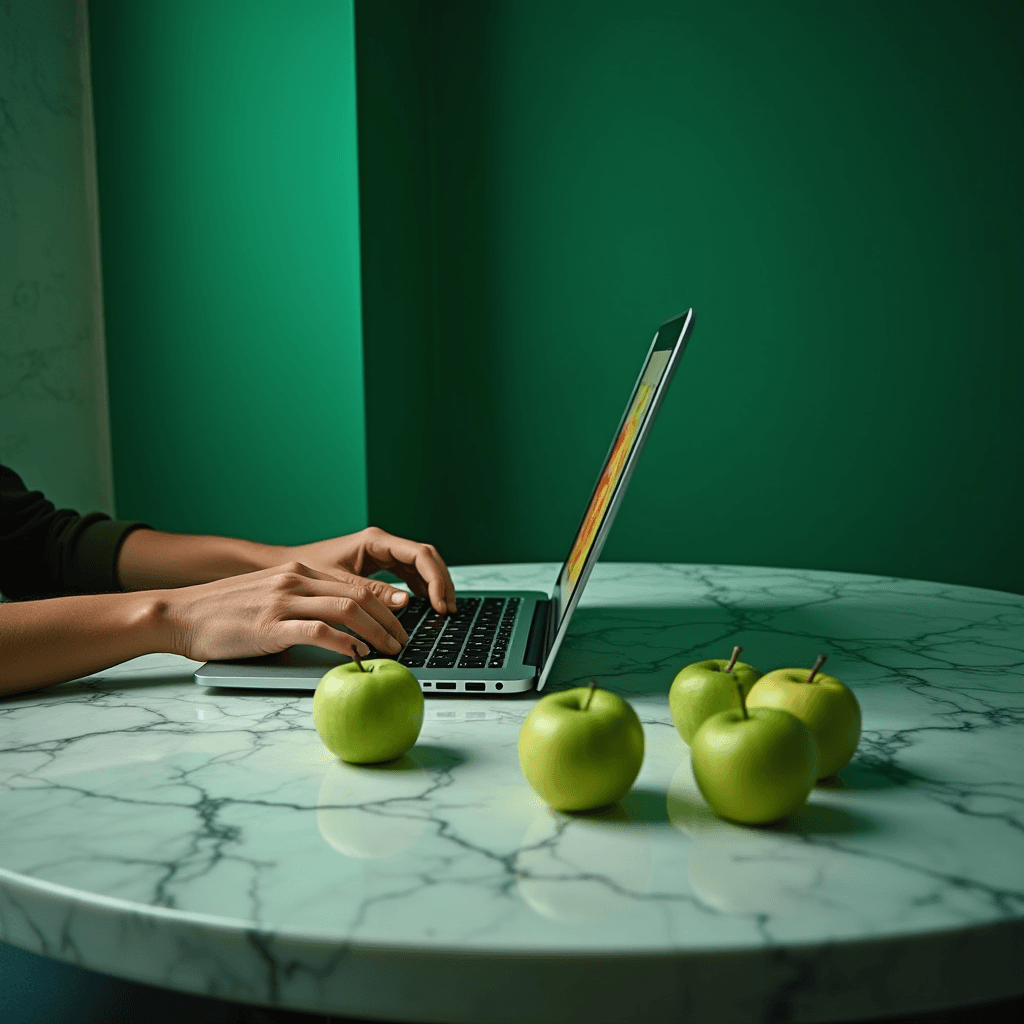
(299, 656)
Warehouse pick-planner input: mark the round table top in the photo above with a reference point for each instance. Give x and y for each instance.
(205, 840)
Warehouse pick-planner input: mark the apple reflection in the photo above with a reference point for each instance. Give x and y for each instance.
(372, 812)
(583, 867)
(737, 869)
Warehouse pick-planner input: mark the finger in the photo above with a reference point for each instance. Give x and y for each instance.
(377, 610)
(424, 571)
(449, 586)
(380, 592)
(433, 590)
(347, 610)
(431, 567)
(383, 592)
(380, 613)
(319, 634)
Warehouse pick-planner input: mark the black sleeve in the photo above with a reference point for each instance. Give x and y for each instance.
(50, 552)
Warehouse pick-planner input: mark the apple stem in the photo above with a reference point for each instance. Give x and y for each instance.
(590, 695)
(736, 652)
(359, 664)
(822, 658)
(743, 702)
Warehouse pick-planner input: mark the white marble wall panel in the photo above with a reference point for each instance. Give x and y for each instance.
(54, 425)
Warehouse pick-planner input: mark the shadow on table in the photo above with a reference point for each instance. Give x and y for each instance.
(117, 682)
(650, 807)
(826, 820)
(638, 806)
(645, 805)
(637, 651)
(862, 775)
(431, 757)
(89, 687)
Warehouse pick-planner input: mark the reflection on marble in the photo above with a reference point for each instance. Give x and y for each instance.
(205, 840)
(373, 812)
(583, 867)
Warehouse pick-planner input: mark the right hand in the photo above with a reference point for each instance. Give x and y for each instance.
(267, 611)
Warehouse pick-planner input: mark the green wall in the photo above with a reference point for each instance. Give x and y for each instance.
(408, 412)
(835, 188)
(226, 143)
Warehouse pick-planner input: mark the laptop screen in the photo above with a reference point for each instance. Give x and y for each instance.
(631, 432)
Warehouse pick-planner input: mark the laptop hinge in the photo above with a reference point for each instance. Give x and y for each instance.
(536, 642)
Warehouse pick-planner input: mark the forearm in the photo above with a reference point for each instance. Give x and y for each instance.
(149, 559)
(52, 641)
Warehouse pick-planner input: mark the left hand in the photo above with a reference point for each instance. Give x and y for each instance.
(372, 550)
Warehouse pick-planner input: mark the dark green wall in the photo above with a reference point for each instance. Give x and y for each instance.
(406, 413)
(834, 187)
(230, 242)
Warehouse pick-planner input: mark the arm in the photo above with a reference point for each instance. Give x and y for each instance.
(51, 552)
(52, 641)
(203, 597)
(149, 559)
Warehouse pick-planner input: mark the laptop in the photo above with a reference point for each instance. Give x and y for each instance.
(498, 641)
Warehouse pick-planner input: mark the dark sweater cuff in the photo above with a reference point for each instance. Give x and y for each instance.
(93, 564)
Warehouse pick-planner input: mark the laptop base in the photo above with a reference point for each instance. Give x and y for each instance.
(301, 667)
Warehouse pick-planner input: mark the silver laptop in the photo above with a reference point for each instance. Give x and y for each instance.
(499, 641)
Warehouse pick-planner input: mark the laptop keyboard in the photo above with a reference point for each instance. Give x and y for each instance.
(476, 636)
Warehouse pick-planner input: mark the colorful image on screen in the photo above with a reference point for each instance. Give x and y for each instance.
(612, 473)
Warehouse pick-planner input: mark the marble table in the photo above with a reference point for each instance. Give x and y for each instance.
(205, 841)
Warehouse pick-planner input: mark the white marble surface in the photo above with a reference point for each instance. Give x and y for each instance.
(206, 841)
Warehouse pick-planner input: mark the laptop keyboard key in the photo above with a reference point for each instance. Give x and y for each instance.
(475, 636)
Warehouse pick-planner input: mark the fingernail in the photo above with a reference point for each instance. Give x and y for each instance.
(398, 597)
(393, 644)
(364, 651)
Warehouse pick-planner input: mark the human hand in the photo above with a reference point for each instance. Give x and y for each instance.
(372, 550)
(266, 611)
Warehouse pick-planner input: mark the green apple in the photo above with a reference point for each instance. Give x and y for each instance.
(581, 749)
(826, 706)
(706, 687)
(754, 766)
(368, 711)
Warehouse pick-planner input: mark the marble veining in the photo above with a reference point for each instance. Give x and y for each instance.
(54, 427)
(207, 841)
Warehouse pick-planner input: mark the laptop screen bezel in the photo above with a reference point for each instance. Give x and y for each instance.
(672, 336)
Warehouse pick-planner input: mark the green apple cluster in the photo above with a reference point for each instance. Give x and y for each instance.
(758, 743)
(367, 712)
